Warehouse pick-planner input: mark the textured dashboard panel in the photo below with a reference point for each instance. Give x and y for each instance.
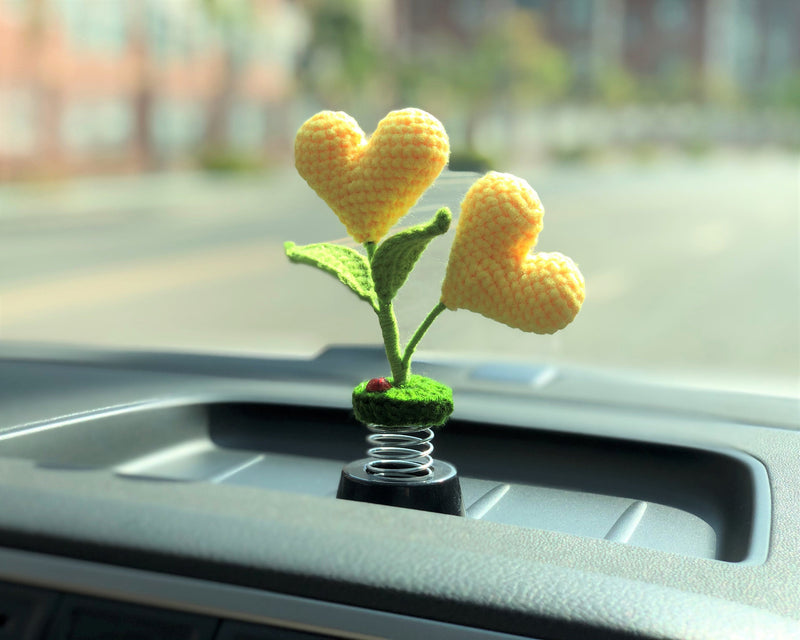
(477, 573)
(675, 499)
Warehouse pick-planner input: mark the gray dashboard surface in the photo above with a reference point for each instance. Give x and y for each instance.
(470, 572)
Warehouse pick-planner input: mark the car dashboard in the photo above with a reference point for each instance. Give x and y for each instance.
(194, 496)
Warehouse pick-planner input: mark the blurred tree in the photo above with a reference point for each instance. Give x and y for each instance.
(46, 96)
(507, 63)
(233, 19)
(722, 90)
(784, 92)
(145, 88)
(340, 59)
(679, 83)
(614, 86)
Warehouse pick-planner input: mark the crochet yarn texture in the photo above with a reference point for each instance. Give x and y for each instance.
(371, 184)
(490, 270)
(420, 402)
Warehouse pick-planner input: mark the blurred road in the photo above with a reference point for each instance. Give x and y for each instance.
(692, 268)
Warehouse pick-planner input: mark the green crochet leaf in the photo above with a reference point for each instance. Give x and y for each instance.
(396, 256)
(349, 266)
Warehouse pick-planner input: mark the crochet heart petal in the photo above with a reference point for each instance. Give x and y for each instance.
(371, 184)
(491, 270)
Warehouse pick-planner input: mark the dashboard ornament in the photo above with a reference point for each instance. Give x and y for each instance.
(492, 270)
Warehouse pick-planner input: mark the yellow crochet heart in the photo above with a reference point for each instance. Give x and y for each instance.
(371, 185)
(491, 271)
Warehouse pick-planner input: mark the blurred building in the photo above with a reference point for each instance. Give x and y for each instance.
(113, 84)
(110, 85)
(747, 44)
(417, 20)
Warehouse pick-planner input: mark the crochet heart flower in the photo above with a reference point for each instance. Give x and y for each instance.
(371, 184)
(491, 270)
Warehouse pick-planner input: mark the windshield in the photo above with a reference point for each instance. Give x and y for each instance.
(147, 179)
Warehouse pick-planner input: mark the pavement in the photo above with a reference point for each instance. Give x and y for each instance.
(692, 268)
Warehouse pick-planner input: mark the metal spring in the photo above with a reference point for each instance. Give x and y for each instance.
(400, 457)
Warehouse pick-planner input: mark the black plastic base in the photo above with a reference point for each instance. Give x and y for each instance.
(440, 493)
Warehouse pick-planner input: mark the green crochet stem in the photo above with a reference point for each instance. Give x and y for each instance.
(399, 360)
(412, 344)
(391, 341)
(389, 330)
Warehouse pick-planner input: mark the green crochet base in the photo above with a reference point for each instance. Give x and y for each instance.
(421, 402)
